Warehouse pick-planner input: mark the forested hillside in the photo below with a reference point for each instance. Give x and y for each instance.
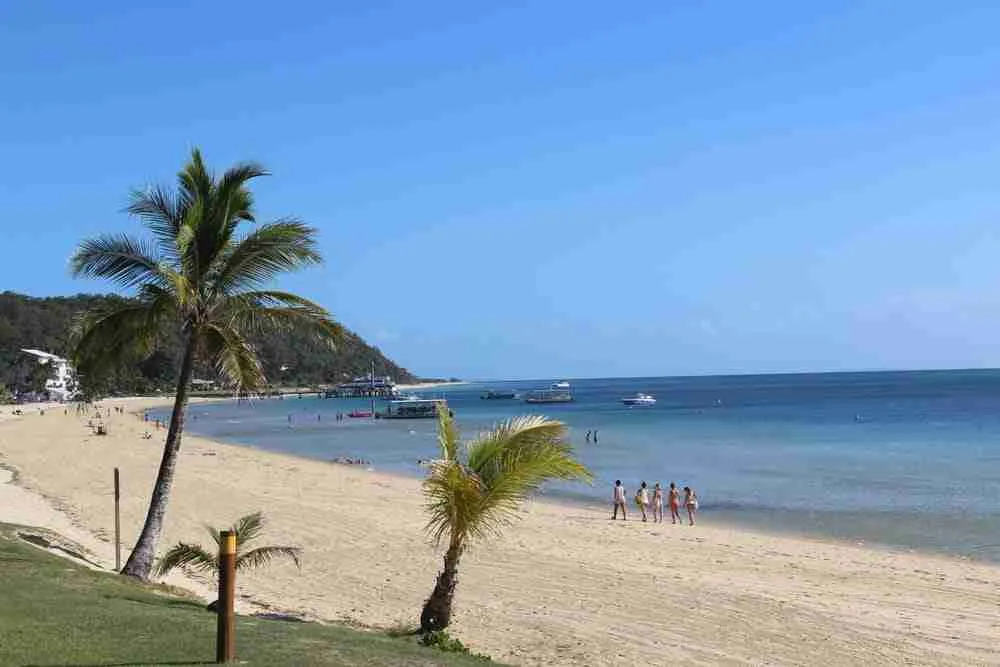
(45, 323)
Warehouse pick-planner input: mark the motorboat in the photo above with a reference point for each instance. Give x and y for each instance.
(549, 396)
(493, 395)
(639, 399)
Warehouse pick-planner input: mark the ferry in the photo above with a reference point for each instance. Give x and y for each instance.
(639, 399)
(549, 396)
(414, 408)
(496, 395)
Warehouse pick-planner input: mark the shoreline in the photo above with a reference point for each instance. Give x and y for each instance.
(562, 586)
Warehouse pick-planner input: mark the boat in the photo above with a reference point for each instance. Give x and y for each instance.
(562, 385)
(639, 399)
(493, 395)
(414, 408)
(359, 413)
(549, 396)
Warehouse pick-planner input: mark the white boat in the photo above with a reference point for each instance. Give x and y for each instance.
(564, 386)
(639, 399)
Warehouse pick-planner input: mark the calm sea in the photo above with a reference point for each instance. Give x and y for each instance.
(904, 459)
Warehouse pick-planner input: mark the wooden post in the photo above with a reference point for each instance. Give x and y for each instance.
(118, 530)
(225, 641)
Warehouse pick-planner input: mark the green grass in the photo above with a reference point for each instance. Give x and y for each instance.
(54, 612)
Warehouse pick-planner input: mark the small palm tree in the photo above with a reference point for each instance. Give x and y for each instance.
(247, 529)
(201, 278)
(475, 493)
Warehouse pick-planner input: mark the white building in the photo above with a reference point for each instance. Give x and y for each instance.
(58, 386)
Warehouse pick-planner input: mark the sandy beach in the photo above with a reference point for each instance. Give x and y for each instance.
(565, 586)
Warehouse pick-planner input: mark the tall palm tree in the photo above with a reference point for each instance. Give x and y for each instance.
(247, 530)
(474, 493)
(198, 276)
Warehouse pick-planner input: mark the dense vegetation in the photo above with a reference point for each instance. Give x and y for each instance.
(45, 324)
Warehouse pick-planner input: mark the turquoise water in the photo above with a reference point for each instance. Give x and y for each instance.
(903, 459)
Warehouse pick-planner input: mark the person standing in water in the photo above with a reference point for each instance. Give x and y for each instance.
(619, 500)
(691, 503)
(642, 499)
(588, 436)
(674, 502)
(657, 504)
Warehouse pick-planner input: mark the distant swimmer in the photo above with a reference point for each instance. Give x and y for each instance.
(858, 419)
(619, 500)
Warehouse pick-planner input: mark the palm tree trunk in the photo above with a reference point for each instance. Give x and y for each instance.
(437, 610)
(140, 561)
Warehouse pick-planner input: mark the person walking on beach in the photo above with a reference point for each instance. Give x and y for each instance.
(642, 499)
(691, 503)
(673, 500)
(657, 504)
(619, 500)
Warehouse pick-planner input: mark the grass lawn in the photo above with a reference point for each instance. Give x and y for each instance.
(55, 612)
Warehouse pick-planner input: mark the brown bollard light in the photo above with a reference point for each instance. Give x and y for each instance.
(225, 642)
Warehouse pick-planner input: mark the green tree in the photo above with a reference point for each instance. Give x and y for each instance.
(198, 275)
(247, 530)
(474, 493)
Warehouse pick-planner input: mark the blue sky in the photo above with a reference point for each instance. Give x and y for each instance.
(550, 188)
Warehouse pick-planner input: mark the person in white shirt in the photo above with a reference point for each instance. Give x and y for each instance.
(619, 500)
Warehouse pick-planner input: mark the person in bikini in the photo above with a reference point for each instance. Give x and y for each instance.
(691, 503)
(673, 501)
(657, 503)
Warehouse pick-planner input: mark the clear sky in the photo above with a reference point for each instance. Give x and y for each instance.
(550, 188)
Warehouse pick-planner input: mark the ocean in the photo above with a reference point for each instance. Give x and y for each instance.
(900, 459)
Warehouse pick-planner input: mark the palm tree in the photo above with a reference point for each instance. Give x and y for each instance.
(247, 530)
(199, 277)
(475, 493)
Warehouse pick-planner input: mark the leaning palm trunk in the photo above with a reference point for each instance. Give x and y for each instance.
(199, 271)
(140, 561)
(437, 610)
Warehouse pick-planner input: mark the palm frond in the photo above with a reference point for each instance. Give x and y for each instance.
(248, 528)
(117, 257)
(162, 213)
(233, 356)
(107, 337)
(236, 199)
(503, 468)
(513, 461)
(185, 555)
(274, 311)
(453, 496)
(264, 555)
(448, 438)
(285, 245)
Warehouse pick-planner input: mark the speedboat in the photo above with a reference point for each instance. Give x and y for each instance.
(563, 385)
(639, 399)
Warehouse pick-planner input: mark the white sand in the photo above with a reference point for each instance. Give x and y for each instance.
(564, 586)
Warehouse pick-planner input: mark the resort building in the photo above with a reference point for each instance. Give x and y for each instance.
(59, 386)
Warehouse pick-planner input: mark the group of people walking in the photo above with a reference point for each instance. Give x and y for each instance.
(643, 502)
